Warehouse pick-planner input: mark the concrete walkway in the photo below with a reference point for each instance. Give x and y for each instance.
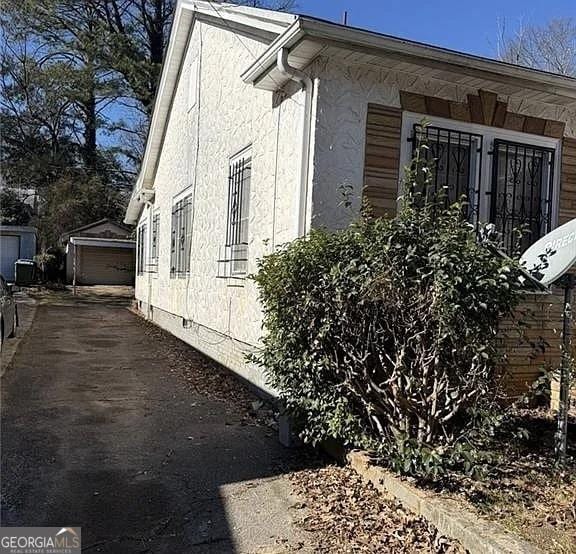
(97, 432)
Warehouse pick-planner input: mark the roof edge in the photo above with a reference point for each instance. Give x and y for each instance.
(94, 224)
(319, 29)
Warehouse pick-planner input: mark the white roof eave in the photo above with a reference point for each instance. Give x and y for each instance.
(377, 44)
(103, 242)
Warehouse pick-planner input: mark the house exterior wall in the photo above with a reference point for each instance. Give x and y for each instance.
(358, 133)
(217, 315)
(344, 93)
(221, 316)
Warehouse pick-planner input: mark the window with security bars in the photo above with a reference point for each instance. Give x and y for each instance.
(154, 242)
(181, 240)
(239, 177)
(141, 250)
(456, 158)
(514, 191)
(522, 191)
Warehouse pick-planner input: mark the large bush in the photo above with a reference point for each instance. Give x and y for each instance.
(383, 335)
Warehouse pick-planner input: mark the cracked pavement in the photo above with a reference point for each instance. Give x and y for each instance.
(97, 432)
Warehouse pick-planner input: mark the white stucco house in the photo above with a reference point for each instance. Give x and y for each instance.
(262, 118)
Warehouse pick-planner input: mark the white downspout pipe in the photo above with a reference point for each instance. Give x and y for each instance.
(295, 74)
(148, 250)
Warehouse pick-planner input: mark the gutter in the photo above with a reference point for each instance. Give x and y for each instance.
(377, 44)
(269, 58)
(308, 85)
(138, 198)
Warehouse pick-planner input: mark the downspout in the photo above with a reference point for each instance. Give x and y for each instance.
(295, 74)
(150, 206)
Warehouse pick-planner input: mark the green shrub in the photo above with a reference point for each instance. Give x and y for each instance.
(383, 335)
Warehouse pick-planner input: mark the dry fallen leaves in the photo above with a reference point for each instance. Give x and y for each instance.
(528, 494)
(347, 515)
(208, 378)
(525, 491)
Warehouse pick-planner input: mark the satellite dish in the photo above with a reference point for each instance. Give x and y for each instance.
(554, 254)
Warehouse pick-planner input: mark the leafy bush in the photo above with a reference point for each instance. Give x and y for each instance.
(383, 335)
(50, 262)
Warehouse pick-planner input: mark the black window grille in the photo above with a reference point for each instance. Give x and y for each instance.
(239, 177)
(141, 238)
(456, 159)
(154, 238)
(521, 191)
(181, 239)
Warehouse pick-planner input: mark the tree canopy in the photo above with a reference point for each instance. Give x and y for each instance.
(77, 88)
(550, 46)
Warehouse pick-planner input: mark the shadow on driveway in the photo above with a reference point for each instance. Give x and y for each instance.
(99, 430)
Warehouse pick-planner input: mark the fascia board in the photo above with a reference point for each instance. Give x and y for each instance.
(384, 45)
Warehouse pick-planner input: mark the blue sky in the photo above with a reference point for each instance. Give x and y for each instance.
(461, 25)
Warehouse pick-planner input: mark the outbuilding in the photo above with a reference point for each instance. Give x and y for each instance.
(16, 242)
(101, 253)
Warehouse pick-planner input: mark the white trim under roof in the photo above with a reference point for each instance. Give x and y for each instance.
(306, 29)
(16, 229)
(103, 242)
(306, 37)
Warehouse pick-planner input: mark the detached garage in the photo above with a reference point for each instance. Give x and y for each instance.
(100, 254)
(16, 243)
(100, 261)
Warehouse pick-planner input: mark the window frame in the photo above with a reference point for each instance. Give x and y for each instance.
(193, 81)
(238, 227)
(142, 247)
(489, 134)
(154, 241)
(475, 143)
(547, 178)
(180, 257)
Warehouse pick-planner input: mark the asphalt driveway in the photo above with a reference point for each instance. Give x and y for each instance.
(99, 429)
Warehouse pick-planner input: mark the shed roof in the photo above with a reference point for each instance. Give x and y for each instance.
(65, 236)
(103, 242)
(11, 229)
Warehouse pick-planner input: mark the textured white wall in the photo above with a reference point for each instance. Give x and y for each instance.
(228, 116)
(343, 96)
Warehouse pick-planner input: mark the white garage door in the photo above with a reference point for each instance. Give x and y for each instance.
(9, 253)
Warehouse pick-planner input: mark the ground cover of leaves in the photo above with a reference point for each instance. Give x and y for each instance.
(525, 491)
(208, 378)
(347, 515)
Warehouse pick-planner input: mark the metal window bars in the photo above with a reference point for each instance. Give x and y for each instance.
(141, 237)
(456, 159)
(522, 192)
(233, 259)
(519, 193)
(154, 238)
(181, 238)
